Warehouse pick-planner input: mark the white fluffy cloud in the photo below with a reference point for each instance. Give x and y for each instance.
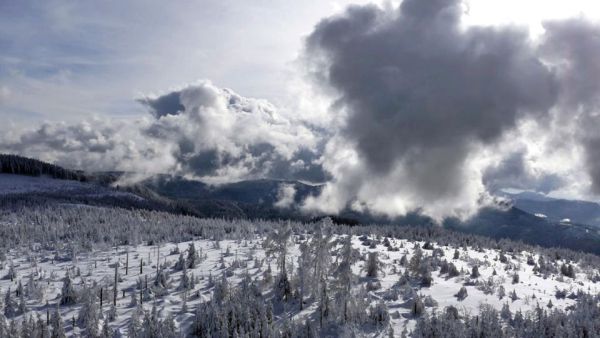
(212, 134)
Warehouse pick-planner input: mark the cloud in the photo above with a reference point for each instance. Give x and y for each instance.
(572, 48)
(285, 196)
(200, 130)
(515, 172)
(421, 96)
(422, 113)
(222, 136)
(168, 104)
(4, 94)
(95, 145)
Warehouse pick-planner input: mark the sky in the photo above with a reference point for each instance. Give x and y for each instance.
(396, 106)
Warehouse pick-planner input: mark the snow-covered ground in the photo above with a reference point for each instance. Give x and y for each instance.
(236, 258)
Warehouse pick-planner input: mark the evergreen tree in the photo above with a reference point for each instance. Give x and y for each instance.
(58, 330)
(68, 295)
(344, 275)
(10, 308)
(88, 316)
(192, 258)
(373, 265)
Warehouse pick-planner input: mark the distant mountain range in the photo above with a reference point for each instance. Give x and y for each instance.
(558, 210)
(256, 199)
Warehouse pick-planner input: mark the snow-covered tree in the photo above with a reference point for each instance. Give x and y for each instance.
(68, 296)
(344, 277)
(373, 265)
(10, 306)
(192, 258)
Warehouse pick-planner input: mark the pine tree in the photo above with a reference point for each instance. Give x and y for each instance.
(134, 328)
(112, 313)
(67, 294)
(10, 308)
(501, 292)
(304, 263)
(3, 326)
(88, 316)
(133, 300)
(462, 293)
(192, 258)
(58, 330)
(107, 331)
(181, 263)
(22, 304)
(417, 307)
(277, 244)
(344, 275)
(505, 313)
(373, 265)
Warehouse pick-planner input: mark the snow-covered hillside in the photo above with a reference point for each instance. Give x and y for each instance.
(337, 281)
(18, 184)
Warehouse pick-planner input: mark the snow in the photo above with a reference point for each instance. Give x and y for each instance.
(98, 266)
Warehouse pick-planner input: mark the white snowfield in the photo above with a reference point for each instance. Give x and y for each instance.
(236, 258)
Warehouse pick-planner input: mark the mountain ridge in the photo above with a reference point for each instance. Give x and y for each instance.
(257, 199)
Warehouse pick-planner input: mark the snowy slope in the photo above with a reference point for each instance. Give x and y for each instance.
(18, 184)
(235, 258)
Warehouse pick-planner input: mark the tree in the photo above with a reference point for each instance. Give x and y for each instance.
(505, 313)
(88, 316)
(417, 308)
(462, 293)
(184, 283)
(303, 275)
(107, 331)
(68, 296)
(192, 259)
(373, 265)
(134, 328)
(10, 308)
(501, 292)
(181, 262)
(344, 275)
(277, 244)
(22, 304)
(58, 330)
(112, 312)
(12, 272)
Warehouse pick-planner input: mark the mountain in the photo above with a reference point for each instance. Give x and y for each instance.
(258, 199)
(14, 164)
(517, 224)
(582, 212)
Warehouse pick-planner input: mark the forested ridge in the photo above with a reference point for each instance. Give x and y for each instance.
(15, 164)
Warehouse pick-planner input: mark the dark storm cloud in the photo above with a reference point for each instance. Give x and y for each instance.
(573, 48)
(421, 91)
